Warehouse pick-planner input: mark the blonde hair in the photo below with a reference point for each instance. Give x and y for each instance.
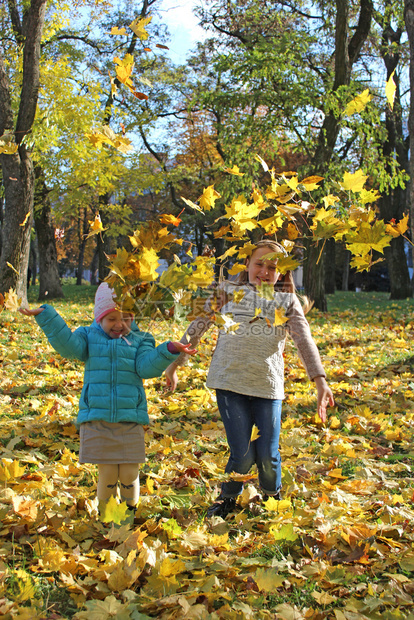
(285, 282)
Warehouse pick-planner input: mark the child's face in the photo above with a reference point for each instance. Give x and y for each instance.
(261, 271)
(116, 324)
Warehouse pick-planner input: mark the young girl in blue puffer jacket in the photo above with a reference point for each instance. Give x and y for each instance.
(112, 406)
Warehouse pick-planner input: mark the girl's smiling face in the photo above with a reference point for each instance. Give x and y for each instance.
(116, 324)
(261, 271)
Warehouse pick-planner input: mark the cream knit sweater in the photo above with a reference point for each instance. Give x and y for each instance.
(248, 359)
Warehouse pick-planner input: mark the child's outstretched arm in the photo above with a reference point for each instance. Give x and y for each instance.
(28, 312)
(325, 397)
(72, 345)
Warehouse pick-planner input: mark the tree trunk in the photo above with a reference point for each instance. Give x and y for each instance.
(409, 25)
(17, 169)
(33, 263)
(314, 275)
(329, 265)
(94, 267)
(82, 233)
(49, 279)
(18, 181)
(347, 51)
(345, 271)
(398, 269)
(394, 205)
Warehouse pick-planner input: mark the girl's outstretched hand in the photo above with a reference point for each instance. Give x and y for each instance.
(28, 312)
(172, 377)
(325, 397)
(184, 348)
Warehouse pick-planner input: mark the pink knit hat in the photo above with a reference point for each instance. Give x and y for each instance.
(104, 301)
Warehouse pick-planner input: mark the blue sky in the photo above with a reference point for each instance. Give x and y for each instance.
(183, 26)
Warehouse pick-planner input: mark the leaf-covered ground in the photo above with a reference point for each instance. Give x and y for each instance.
(339, 545)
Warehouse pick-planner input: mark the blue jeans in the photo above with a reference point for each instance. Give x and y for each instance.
(239, 413)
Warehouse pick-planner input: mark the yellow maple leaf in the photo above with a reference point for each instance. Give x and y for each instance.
(367, 238)
(361, 263)
(272, 224)
(150, 486)
(358, 104)
(292, 231)
(395, 229)
(112, 511)
(236, 269)
(10, 470)
(208, 198)
(170, 567)
(203, 274)
(138, 27)
(105, 135)
(230, 252)
(268, 579)
(235, 170)
(148, 265)
(390, 89)
(226, 323)
(255, 433)
(23, 586)
(280, 316)
(330, 200)
(284, 532)
(366, 196)
(265, 290)
(11, 301)
(286, 263)
(115, 30)
(238, 296)
(354, 182)
(96, 226)
(119, 264)
(293, 182)
(312, 182)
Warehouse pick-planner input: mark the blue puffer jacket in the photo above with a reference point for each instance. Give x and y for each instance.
(114, 368)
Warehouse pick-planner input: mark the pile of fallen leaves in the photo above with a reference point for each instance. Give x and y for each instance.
(340, 544)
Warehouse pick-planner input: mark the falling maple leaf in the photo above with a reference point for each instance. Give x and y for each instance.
(390, 89)
(168, 218)
(117, 31)
(11, 301)
(208, 198)
(358, 104)
(25, 219)
(191, 204)
(265, 290)
(395, 229)
(280, 317)
(138, 27)
(354, 182)
(255, 433)
(235, 170)
(96, 226)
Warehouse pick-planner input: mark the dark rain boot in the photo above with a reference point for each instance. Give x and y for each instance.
(222, 507)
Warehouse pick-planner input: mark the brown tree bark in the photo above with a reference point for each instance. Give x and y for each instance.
(17, 169)
(347, 51)
(49, 279)
(409, 26)
(395, 204)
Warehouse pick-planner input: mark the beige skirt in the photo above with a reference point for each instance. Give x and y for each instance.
(111, 443)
